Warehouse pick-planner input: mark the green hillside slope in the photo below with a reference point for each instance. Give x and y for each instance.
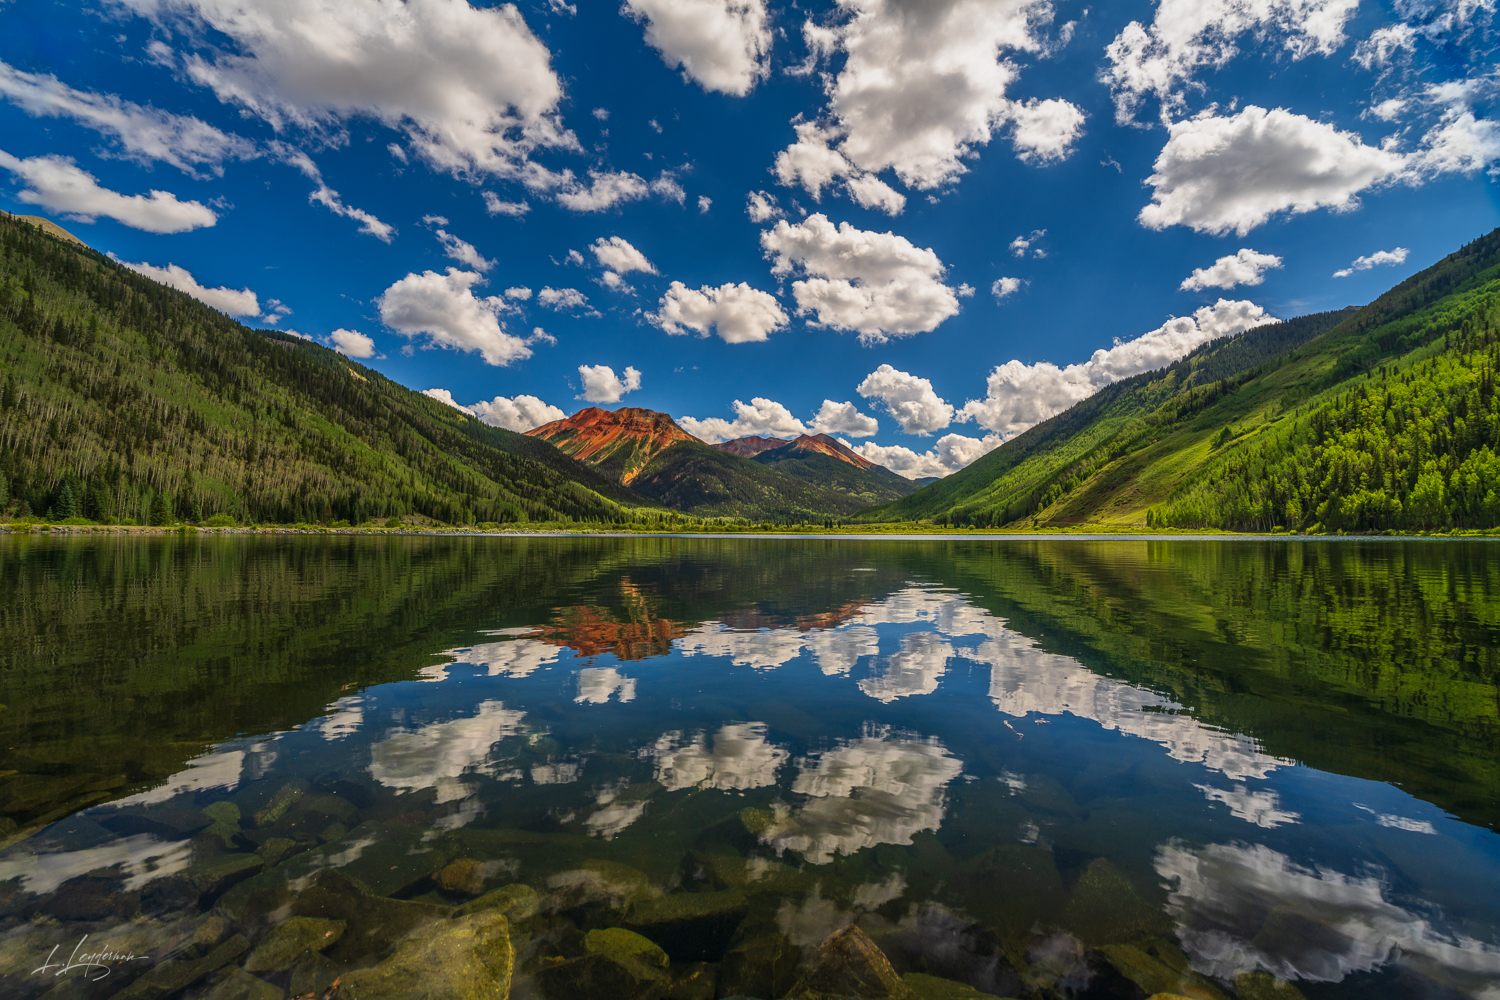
(1033, 470)
(863, 486)
(705, 482)
(124, 399)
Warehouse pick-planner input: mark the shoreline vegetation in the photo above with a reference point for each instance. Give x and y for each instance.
(923, 531)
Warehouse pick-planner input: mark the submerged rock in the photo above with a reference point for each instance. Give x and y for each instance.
(1161, 967)
(1106, 908)
(276, 849)
(291, 939)
(224, 821)
(1264, 986)
(618, 964)
(760, 965)
(933, 988)
(464, 876)
(213, 877)
(240, 985)
(284, 799)
(468, 958)
(691, 926)
(848, 964)
(169, 977)
(313, 973)
(518, 902)
(596, 883)
(700, 982)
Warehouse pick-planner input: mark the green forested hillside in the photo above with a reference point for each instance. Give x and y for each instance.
(1376, 419)
(124, 399)
(705, 482)
(1031, 471)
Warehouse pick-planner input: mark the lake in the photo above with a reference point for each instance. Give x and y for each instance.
(1028, 768)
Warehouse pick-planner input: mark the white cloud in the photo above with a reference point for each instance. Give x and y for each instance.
(843, 418)
(1244, 268)
(445, 309)
(615, 283)
(494, 205)
(1261, 808)
(911, 400)
(1458, 144)
(1379, 257)
(601, 113)
(1188, 35)
(463, 252)
(1005, 286)
(57, 184)
(811, 164)
(761, 206)
(1222, 174)
(352, 343)
(434, 220)
(518, 413)
(666, 186)
(738, 313)
(472, 88)
(922, 87)
(618, 255)
(878, 284)
(562, 298)
(704, 204)
(608, 189)
(602, 385)
(368, 224)
(760, 417)
(951, 453)
(869, 191)
(145, 134)
(226, 300)
(1021, 244)
(1377, 51)
(1020, 396)
(724, 45)
(520, 293)
(540, 336)
(574, 257)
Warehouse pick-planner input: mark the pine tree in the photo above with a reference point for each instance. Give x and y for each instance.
(161, 509)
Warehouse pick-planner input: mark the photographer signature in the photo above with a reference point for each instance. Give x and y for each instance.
(95, 965)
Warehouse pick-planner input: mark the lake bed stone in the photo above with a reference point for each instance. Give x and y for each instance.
(469, 958)
(290, 939)
(691, 926)
(241, 985)
(848, 964)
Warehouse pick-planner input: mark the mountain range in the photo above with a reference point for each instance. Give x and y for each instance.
(809, 477)
(125, 400)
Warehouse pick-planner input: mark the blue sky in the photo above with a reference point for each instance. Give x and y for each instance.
(908, 224)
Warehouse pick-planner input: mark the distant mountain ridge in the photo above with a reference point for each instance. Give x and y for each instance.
(810, 477)
(749, 446)
(618, 443)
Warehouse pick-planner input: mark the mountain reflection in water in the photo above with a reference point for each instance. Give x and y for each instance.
(1025, 767)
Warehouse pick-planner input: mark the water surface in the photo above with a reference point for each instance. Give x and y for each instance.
(1001, 758)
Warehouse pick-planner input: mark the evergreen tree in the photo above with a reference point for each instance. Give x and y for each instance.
(161, 509)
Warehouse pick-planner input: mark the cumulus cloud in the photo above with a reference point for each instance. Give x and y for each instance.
(518, 413)
(1005, 286)
(57, 184)
(444, 308)
(1244, 268)
(760, 417)
(226, 300)
(922, 88)
(724, 45)
(144, 134)
(495, 205)
(1379, 257)
(471, 87)
(761, 206)
(605, 190)
(1458, 144)
(1384, 45)
(704, 204)
(352, 343)
(1190, 35)
(666, 186)
(843, 418)
(811, 164)
(618, 255)
(463, 252)
(911, 400)
(738, 313)
(602, 385)
(562, 298)
(1220, 174)
(951, 453)
(878, 284)
(1019, 395)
